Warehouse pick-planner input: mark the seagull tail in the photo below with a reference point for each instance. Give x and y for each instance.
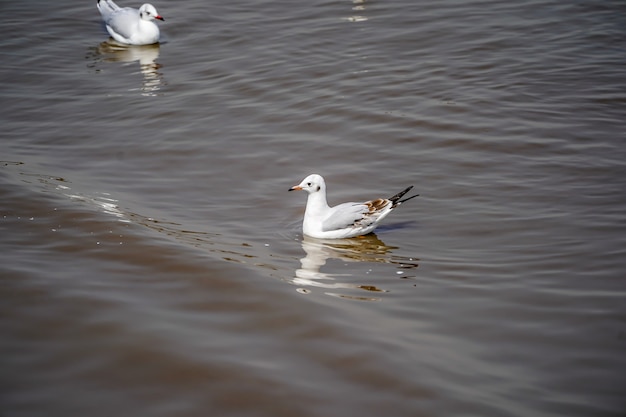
(107, 6)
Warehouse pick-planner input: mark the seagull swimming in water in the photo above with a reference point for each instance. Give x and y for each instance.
(345, 220)
(130, 26)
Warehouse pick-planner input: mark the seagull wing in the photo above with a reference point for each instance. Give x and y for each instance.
(359, 215)
(123, 21)
(344, 215)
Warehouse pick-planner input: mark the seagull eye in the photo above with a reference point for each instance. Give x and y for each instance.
(308, 184)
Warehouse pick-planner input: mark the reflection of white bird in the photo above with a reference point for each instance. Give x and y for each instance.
(345, 220)
(146, 55)
(310, 275)
(368, 249)
(130, 26)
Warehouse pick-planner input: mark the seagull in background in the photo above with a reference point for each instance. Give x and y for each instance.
(130, 26)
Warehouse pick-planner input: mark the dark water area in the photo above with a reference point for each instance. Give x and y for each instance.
(152, 261)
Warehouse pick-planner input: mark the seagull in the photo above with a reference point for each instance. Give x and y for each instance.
(130, 26)
(345, 220)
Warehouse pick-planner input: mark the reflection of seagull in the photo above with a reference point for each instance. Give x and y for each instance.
(368, 249)
(146, 55)
(345, 220)
(130, 26)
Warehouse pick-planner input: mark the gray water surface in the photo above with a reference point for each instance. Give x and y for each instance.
(152, 262)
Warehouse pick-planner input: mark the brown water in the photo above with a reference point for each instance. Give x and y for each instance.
(152, 262)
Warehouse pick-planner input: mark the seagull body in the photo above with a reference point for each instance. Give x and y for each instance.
(130, 26)
(344, 220)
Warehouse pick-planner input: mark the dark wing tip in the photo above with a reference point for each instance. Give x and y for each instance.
(407, 199)
(400, 194)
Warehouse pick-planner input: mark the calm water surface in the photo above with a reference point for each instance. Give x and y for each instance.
(152, 262)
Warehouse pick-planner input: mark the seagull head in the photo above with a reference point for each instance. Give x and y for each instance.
(149, 12)
(311, 184)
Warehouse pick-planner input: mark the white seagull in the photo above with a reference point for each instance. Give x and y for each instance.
(345, 220)
(130, 26)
